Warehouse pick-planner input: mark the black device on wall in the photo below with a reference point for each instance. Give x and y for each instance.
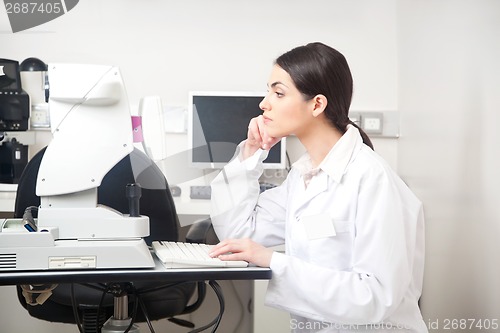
(15, 109)
(14, 102)
(13, 160)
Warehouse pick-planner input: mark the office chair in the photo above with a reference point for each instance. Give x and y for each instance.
(157, 203)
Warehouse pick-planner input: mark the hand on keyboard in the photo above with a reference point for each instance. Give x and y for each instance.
(190, 255)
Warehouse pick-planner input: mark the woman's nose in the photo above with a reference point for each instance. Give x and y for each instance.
(264, 105)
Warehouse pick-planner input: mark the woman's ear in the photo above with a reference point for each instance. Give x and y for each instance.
(319, 104)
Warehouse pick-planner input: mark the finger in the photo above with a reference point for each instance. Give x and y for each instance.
(223, 247)
(254, 133)
(233, 256)
(262, 130)
(267, 141)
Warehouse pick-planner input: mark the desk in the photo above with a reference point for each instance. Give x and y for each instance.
(158, 273)
(237, 284)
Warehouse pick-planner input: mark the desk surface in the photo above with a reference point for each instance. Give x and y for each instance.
(158, 273)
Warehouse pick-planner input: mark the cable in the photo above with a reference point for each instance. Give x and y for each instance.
(145, 312)
(136, 306)
(214, 323)
(101, 301)
(29, 220)
(75, 309)
(218, 291)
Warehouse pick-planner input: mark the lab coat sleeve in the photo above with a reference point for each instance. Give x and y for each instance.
(237, 202)
(384, 240)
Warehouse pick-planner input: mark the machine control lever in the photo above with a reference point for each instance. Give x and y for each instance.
(133, 193)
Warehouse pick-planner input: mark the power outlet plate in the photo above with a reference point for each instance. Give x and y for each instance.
(372, 122)
(40, 116)
(201, 192)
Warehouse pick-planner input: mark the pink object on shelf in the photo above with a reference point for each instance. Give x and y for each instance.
(137, 129)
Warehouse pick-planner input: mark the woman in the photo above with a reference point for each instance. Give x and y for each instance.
(353, 231)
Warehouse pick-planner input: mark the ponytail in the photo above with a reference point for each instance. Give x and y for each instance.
(364, 136)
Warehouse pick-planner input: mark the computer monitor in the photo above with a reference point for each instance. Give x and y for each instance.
(218, 122)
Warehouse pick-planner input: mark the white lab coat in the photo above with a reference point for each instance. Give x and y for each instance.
(354, 239)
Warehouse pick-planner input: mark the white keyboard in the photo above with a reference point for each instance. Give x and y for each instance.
(190, 255)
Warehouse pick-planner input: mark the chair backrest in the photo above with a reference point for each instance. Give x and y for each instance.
(156, 202)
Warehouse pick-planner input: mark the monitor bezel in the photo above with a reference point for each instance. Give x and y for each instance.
(219, 165)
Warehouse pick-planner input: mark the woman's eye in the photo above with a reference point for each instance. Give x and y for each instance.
(279, 94)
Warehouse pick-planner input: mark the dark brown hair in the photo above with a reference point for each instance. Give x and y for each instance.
(315, 69)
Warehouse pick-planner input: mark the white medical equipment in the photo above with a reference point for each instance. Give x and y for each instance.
(92, 131)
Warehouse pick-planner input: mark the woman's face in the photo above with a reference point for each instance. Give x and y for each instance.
(285, 110)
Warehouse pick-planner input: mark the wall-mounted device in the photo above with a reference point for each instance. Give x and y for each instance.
(35, 82)
(14, 115)
(14, 102)
(13, 160)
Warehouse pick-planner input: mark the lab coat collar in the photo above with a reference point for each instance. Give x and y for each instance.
(336, 161)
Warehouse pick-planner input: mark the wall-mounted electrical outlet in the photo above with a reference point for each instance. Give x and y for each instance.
(40, 116)
(372, 122)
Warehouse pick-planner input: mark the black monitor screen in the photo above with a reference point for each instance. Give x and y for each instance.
(220, 123)
(10, 78)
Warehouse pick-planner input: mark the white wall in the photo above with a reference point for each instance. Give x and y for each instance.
(167, 48)
(448, 152)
